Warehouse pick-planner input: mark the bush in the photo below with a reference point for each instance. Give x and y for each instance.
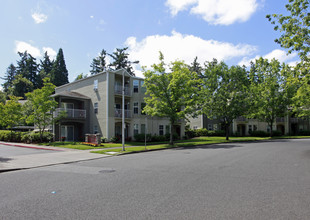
(34, 137)
(259, 134)
(276, 133)
(104, 140)
(115, 139)
(304, 133)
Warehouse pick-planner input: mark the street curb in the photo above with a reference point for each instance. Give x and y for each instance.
(32, 147)
(47, 165)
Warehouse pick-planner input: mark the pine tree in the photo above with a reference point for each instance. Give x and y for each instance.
(99, 64)
(27, 67)
(195, 67)
(120, 60)
(59, 73)
(45, 68)
(9, 77)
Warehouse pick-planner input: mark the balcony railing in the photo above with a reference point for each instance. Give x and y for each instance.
(241, 119)
(118, 90)
(118, 113)
(71, 113)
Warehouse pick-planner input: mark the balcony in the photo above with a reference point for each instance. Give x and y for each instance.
(241, 119)
(118, 90)
(118, 113)
(71, 113)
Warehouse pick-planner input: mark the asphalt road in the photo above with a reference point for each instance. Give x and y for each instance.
(268, 180)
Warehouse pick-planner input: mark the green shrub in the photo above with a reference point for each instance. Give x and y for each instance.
(34, 137)
(304, 133)
(259, 134)
(276, 133)
(115, 139)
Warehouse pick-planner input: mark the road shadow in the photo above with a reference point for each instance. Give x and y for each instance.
(4, 160)
(210, 146)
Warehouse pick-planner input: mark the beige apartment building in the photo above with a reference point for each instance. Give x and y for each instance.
(243, 126)
(94, 105)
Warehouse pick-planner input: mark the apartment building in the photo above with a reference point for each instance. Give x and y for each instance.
(243, 126)
(94, 105)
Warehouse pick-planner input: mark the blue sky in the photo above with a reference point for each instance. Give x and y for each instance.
(235, 31)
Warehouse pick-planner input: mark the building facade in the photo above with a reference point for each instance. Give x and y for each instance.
(94, 105)
(243, 126)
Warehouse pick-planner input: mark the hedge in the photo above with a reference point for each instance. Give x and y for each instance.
(26, 137)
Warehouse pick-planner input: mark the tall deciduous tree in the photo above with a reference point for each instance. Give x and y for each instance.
(225, 92)
(11, 113)
(42, 105)
(99, 63)
(171, 92)
(294, 28)
(59, 73)
(269, 92)
(120, 60)
(296, 37)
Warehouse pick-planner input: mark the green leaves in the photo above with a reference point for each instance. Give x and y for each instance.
(172, 91)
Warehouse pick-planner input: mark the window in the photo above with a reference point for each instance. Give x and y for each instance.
(210, 127)
(95, 129)
(136, 108)
(143, 129)
(135, 129)
(250, 128)
(135, 86)
(143, 104)
(96, 84)
(96, 107)
(254, 127)
(143, 89)
(167, 129)
(268, 128)
(195, 127)
(161, 130)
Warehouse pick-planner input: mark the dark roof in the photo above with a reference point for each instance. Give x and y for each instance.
(71, 95)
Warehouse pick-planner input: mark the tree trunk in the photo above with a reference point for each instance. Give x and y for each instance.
(271, 129)
(171, 133)
(227, 131)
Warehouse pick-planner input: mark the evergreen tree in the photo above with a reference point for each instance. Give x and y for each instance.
(20, 86)
(45, 68)
(59, 73)
(195, 67)
(99, 64)
(120, 60)
(9, 77)
(28, 68)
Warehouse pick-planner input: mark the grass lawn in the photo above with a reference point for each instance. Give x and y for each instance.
(138, 146)
(184, 143)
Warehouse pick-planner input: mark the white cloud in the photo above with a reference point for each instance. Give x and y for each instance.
(21, 46)
(280, 55)
(50, 52)
(39, 17)
(217, 12)
(91, 16)
(183, 47)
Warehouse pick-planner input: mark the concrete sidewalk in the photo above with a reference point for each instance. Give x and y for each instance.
(56, 156)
